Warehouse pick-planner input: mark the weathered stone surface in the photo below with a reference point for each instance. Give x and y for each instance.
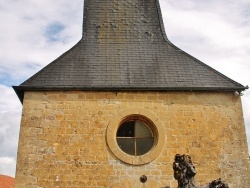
(63, 139)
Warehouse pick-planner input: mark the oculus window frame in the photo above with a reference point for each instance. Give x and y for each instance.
(154, 126)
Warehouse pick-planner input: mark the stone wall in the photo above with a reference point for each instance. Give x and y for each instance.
(63, 139)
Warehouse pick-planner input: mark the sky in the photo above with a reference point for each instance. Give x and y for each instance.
(33, 33)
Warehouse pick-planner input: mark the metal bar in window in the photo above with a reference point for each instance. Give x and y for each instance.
(124, 137)
(135, 147)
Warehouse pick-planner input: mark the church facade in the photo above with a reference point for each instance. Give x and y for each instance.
(122, 103)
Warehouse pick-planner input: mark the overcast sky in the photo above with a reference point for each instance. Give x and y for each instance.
(35, 32)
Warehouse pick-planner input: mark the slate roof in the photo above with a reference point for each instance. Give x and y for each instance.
(124, 47)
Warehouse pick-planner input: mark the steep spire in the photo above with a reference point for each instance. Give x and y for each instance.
(124, 21)
(124, 47)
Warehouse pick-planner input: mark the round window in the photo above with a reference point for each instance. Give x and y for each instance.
(135, 137)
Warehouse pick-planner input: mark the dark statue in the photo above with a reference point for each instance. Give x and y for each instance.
(184, 172)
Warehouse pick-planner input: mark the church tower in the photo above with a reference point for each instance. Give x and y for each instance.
(122, 103)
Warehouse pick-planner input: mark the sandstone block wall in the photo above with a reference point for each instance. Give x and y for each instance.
(63, 139)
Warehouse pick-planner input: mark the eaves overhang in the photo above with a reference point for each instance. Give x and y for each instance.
(20, 90)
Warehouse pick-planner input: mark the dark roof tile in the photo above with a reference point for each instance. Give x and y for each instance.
(124, 47)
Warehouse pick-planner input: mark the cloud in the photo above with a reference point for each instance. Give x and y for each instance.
(220, 38)
(8, 166)
(8, 100)
(9, 132)
(33, 34)
(10, 117)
